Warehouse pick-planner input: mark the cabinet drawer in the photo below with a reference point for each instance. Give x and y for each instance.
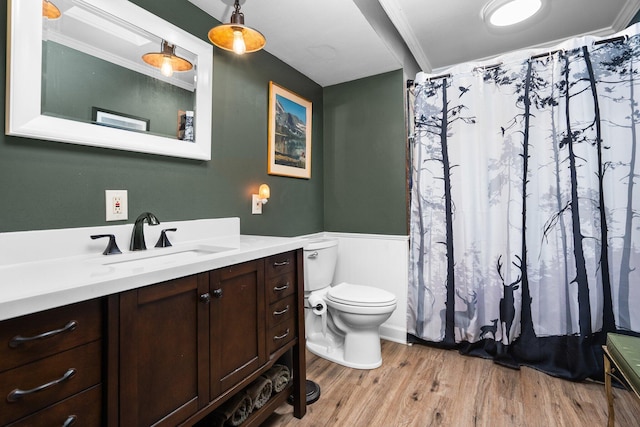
(280, 264)
(281, 334)
(281, 311)
(82, 409)
(281, 286)
(32, 337)
(56, 377)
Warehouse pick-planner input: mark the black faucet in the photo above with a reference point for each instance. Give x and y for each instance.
(137, 237)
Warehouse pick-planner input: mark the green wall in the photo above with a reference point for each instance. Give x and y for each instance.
(365, 156)
(358, 151)
(54, 185)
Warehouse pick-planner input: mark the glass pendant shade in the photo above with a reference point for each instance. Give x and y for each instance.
(166, 60)
(166, 68)
(49, 10)
(239, 46)
(233, 35)
(264, 192)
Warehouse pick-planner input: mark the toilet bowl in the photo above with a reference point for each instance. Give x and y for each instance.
(343, 320)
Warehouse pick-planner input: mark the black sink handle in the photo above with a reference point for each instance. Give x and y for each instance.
(112, 247)
(163, 241)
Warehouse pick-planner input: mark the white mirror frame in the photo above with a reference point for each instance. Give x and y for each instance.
(24, 85)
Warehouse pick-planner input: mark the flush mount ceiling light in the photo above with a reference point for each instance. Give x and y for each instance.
(167, 60)
(504, 13)
(49, 10)
(235, 36)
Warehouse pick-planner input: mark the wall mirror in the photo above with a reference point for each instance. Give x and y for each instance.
(81, 78)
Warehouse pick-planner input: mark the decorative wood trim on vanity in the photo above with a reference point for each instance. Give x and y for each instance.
(112, 364)
(299, 359)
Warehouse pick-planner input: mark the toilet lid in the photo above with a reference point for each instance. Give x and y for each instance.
(347, 293)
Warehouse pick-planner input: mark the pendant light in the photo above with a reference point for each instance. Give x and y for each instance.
(49, 10)
(235, 36)
(167, 60)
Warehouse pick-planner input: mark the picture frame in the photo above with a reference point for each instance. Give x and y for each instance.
(289, 133)
(118, 120)
(185, 125)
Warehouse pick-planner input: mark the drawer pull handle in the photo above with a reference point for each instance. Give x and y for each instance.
(205, 298)
(279, 337)
(280, 264)
(17, 340)
(281, 288)
(313, 255)
(217, 293)
(18, 394)
(71, 420)
(281, 312)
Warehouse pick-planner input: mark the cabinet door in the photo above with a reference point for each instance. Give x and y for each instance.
(164, 344)
(238, 346)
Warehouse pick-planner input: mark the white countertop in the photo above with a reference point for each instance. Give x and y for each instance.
(39, 279)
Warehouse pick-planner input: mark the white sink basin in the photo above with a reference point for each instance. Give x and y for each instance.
(161, 256)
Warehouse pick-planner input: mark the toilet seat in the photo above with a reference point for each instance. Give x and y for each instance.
(360, 296)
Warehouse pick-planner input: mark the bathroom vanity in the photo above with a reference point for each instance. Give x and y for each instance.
(157, 343)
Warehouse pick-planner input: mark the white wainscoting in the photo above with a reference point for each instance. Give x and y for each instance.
(381, 261)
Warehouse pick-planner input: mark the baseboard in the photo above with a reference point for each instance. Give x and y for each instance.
(393, 333)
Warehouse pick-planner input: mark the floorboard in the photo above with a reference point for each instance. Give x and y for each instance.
(422, 386)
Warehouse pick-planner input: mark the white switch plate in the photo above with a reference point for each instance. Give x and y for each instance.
(256, 205)
(116, 205)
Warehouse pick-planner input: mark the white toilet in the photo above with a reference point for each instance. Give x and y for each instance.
(342, 321)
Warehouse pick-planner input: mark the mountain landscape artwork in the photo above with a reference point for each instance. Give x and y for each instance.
(289, 133)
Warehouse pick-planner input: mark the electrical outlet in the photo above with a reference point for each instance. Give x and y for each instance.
(256, 205)
(116, 205)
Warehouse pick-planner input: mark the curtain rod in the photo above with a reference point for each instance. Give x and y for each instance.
(410, 82)
(441, 76)
(487, 67)
(612, 40)
(542, 55)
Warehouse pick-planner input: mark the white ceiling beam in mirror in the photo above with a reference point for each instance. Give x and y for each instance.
(104, 29)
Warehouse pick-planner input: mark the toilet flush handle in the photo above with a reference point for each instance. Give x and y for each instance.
(313, 255)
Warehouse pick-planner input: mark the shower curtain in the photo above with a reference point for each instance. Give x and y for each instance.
(525, 227)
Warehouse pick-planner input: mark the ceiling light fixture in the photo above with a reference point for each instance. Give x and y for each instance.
(167, 60)
(503, 13)
(235, 36)
(49, 10)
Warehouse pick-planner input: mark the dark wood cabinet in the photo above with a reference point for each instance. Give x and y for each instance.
(167, 354)
(51, 366)
(281, 290)
(180, 349)
(164, 352)
(237, 326)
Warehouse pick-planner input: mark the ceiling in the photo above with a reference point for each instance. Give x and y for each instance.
(335, 41)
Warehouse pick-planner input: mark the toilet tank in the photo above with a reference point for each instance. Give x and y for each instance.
(320, 256)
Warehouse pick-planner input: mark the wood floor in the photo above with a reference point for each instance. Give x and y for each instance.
(422, 386)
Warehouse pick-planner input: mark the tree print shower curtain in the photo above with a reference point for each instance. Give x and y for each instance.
(525, 227)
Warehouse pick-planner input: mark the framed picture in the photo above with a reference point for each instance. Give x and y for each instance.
(119, 120)
(289, 133)
(186, 130)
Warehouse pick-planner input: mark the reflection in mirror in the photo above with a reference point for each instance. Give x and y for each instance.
(99, 59)
(94, 81)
